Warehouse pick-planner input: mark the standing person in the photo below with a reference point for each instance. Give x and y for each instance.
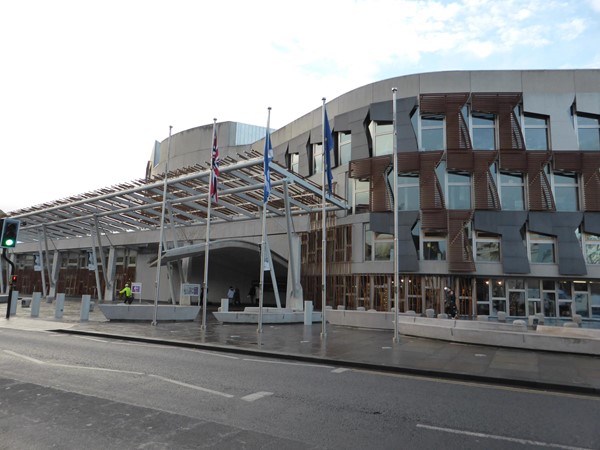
(236, 297)
(128, 295)
(451, 307)
(230, 295)
(251, 294)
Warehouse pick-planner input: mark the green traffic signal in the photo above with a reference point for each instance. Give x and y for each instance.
(10, 232)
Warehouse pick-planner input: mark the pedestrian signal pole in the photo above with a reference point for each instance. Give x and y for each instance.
(9, 232)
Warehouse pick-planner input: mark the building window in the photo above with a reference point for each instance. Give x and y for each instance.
(459, 190)
(456, 187)
(588, 131)
(430, 130)
(487, 247)
(591, 248)
(317, 158)
(382, 138)
(541, 249)
(293, 163)
(511, 189)
(408, 190)
(566, 191)
(345, 147)
(378, 246)
(535, 129)
(434, 247)
(360, 196)
(483, 129)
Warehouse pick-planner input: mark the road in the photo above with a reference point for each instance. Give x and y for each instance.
(73, 392)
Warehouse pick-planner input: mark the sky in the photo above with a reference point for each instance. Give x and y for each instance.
(86, 87)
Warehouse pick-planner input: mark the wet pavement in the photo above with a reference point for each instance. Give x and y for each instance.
(342, 346)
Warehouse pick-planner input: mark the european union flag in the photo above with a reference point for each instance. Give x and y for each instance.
(267, 165)
(327, 148)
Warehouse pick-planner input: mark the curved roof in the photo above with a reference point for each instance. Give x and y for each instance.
(137, 205)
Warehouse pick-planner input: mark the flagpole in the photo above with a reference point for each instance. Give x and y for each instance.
(207, 242)
(267, 174)
(396, 259)
(323, 232)
(162, 227)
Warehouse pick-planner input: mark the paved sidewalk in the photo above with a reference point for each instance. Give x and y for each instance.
(342, 346)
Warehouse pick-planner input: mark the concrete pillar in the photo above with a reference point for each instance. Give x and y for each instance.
(84, 314)
(13, 304)
(54, 276)
(308, 312)
(224, 305)
(59, 306)
(36, 298)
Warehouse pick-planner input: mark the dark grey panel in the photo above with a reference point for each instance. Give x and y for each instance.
(591, 222)
(298, 145)
(382, 111)
(563, 226)
(354, 121)
(508, 225)
(408, 260)
(407, 139)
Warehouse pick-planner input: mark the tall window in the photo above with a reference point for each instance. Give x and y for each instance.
(588, 131)
(459, 190)
(317, 159)
(408, 190)
(541, 249)
(360, 196)
(511, 189)
(294, 162)
(382, 138)
(345, 147)
(535, 129)
(566, 191)
(430, 130)
(483, 129)
(456, 187)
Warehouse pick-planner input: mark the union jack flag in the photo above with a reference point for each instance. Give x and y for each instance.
(214, 192)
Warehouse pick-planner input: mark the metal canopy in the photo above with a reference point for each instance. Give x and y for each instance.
(136, 205)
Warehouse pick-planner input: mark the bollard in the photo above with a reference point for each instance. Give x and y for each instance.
(84, 315)
(224, 305)
(308, 312)
(60, 306)
(36, 298)
(13, 304)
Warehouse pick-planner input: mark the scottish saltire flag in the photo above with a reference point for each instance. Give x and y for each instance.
(214, 191)
(327, 148)
(267, 166)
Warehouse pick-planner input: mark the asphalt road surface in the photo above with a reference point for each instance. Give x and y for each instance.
(74, 392)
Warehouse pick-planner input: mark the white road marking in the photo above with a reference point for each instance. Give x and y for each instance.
(69, 366)
(340, 370)
(287, 363)
(499, 438)
(191, 386)
(256, 396)
(92, 339)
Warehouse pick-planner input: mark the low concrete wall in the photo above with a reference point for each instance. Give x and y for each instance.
(557, 339)
(122, 311)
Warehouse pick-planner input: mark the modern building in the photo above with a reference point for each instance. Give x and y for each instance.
(498, 194)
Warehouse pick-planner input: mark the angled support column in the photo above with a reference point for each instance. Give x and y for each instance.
(110, 269)
(294, 298)
(93, 233)
(53, 275)
(43, 268)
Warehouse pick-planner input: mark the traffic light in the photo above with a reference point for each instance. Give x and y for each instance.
(10, 232)
(13, 280)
